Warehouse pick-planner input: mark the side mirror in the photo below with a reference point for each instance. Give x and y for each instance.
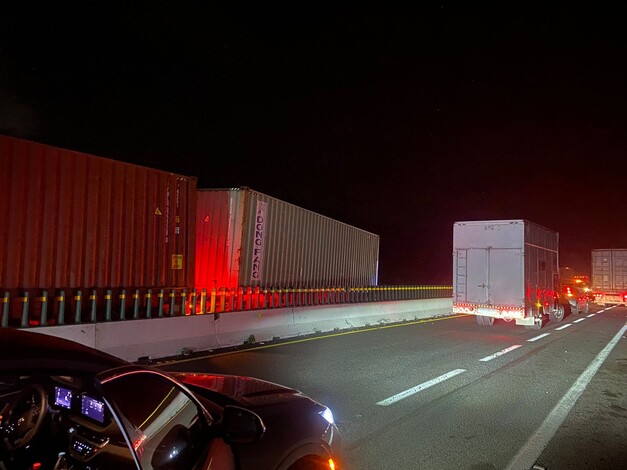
(241, 426)
(173, 450)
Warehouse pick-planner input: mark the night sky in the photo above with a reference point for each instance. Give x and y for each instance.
(399, 121)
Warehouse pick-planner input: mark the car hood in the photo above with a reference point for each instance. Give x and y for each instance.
(245, 391)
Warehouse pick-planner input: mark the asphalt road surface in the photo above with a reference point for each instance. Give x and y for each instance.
(449, 394)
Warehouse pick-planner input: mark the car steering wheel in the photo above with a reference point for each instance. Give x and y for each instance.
(27, 416)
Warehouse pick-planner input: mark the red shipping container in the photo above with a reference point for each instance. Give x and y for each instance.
(76, 221)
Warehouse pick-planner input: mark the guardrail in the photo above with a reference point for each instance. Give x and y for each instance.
(38, 307)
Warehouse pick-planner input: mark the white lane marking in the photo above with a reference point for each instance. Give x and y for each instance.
(418, 388)
(529, 453)
(500, 353)
(563, 327)
(580, 320)
(591, 315)
(538, 337)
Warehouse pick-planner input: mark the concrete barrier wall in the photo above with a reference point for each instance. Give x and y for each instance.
(163, 337)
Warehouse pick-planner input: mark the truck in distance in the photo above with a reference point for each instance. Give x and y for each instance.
(609, 276)
(506, 269)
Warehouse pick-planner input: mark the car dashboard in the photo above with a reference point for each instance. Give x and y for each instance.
(58, 422)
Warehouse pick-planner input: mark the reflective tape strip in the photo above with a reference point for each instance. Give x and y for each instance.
(5, 300)
(43, 299)
(24, 299)
(122, 296)
(60, 298)
(107, 296)
(92, 297)
(77, 297)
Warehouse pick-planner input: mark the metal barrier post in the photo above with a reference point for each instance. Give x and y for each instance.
(264, 302)
(172, 295)
(193, 302)
(184, 302)
(160, 311)
(108, 306)
(61, 300)
(136, 304)
(212, 302)
(5, 310)
(92, 297)
(25, 310)
(149, 304)
(223, 299)
(123, 305)
(77, 315)
(44, 308)
(203, 300)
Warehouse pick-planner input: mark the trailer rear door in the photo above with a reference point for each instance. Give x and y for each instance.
(492, 276)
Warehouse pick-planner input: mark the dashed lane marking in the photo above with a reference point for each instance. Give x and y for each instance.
(500, 353)
(580, 320)
(538, 337)
(418, 388)
(564, 327)
(591, 315)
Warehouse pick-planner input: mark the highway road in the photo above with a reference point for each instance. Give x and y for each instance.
(449, 394)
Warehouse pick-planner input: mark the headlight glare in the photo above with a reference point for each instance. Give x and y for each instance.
(328, 415)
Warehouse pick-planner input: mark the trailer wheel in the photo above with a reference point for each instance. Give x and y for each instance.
(557, 314)
(485, 321)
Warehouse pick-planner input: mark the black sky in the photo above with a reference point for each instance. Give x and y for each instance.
(397, 120)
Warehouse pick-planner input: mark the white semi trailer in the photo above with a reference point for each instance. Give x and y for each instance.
(609, 276)
(506, 269)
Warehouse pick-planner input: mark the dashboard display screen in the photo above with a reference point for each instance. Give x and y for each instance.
(92, 408)
(63, 397)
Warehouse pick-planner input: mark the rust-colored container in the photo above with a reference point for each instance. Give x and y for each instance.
(245, 238)
(72, 220)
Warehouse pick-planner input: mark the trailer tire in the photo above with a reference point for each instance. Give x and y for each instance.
(485, 321)
(557, 314)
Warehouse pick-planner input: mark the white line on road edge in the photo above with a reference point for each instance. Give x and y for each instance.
(529, 453)
(538, 337)
(563, 327)
(591, 315)
(500, 353)
(417, 388)
(580, 320)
